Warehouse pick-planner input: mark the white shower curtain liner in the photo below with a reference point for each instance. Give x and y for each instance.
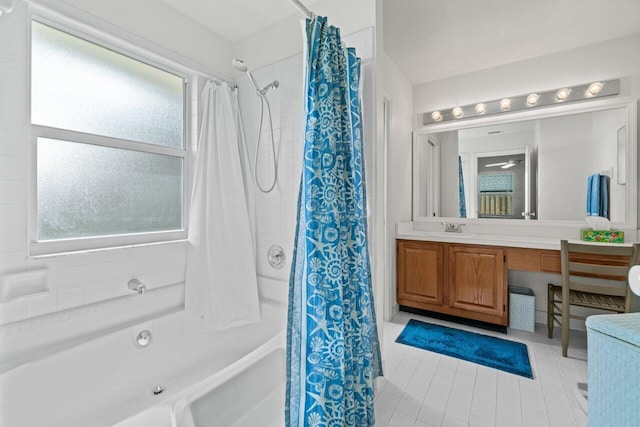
(221, 289)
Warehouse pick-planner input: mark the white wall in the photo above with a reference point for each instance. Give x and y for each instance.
(398, 91)
(564, 156)
(494, 143)
(275, 53)
(449, 174)
(276, 211)
(284, 38)
(605, 158)
(159, 23)
(608, 60)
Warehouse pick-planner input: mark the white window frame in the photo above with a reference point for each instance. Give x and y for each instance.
(106, 40)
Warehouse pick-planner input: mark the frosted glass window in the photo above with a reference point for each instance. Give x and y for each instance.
(496, 182)
(89, 190)
(80, 86)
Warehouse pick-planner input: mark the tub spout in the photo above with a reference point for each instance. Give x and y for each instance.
(136, 286)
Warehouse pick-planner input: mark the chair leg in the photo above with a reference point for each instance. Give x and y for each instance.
(565, 326)
(550, 308)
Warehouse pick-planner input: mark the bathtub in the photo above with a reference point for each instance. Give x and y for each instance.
(226, 378)
(247, 393)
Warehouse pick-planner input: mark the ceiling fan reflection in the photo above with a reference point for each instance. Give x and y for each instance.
(503, 165)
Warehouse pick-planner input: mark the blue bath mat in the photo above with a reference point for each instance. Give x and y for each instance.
(508, 356)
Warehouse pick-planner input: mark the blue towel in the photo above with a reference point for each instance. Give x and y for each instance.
(598, 195)
(593, 195)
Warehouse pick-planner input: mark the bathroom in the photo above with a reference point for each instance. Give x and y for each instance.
(83, 297)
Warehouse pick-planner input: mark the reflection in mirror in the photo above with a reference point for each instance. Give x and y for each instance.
(528, 170)
(500, 183)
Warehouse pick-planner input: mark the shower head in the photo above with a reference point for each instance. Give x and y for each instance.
(239, 65)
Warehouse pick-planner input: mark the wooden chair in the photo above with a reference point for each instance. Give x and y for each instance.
(594, 276)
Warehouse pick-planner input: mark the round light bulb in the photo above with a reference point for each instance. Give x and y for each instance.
(595, 88)
(634, 279)
(505, 104)
(481, 108)
(436, 116)
(457, 112)
(563, 94)
(532, 99)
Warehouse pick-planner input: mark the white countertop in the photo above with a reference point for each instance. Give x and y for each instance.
(407, 232)
(481, 239)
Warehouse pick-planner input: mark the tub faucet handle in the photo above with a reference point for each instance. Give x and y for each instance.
(137, 286)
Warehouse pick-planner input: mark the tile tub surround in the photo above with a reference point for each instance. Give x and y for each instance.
(113, 377)
(74, 280)
(276, 211)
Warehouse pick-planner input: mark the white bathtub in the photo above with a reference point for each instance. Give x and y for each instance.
(248, 393)
(223, 377)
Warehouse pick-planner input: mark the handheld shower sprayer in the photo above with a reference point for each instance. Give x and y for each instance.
(239, 65)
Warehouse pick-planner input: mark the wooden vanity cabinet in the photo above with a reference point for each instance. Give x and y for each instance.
(477, 282)
(421, 273)
(456, 279)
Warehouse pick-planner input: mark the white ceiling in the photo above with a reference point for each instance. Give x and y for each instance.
(235, 19)
(433, 39)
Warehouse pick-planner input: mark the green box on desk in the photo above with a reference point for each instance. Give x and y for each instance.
(602, 236)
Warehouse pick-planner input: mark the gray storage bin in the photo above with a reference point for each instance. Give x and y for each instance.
(522, 309)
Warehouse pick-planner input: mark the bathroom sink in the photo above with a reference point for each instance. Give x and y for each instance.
(445, 234)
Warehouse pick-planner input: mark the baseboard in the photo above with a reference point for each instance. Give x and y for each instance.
(456, 319)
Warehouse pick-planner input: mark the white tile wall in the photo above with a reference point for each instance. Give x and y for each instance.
(13, 152)
(276, 211)
(74, 280)
(80, 279)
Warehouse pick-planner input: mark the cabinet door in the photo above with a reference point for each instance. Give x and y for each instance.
(477, 279)
(420, 273)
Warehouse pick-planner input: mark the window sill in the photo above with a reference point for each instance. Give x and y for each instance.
(50, 249)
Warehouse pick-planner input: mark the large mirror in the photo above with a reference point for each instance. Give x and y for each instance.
(531, 167)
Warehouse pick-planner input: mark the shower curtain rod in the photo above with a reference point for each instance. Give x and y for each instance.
(218, 82)
(303, 8)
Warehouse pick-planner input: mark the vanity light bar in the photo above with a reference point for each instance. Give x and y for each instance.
(524, 102)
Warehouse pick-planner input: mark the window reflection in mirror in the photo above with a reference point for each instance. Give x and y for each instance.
(528, 170)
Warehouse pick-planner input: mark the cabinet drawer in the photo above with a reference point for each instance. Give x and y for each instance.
(523, 259)
(538, 260)
(550, 263)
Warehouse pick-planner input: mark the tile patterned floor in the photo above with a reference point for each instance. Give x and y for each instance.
(421, 388)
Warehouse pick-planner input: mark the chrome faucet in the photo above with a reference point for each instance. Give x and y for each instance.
(137, 286)
(452, 228)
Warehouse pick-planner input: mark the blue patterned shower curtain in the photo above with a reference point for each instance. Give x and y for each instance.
(333, 353)
(462, 203)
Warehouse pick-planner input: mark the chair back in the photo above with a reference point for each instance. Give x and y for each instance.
(598, 268)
